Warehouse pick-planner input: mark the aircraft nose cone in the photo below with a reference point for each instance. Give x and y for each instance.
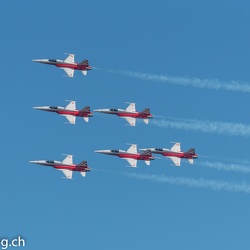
(41, 61)
(102, 151)
(35, 162)
(99, 151)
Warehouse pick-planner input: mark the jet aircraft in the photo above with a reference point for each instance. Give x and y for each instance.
(66, 166)
(130, 114)
(70, 112)
(68, 65)
(175, 153)
(131, 155)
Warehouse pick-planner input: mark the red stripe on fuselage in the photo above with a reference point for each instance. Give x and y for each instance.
(136, 156)
(179, 155)
(72, 66)
(135, 115)
(73, 112)
(72, 168)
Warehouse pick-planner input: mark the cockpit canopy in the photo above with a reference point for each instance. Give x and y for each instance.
(159, 149)
(115, 151)
(52, 60)
(53, 107)
(113, 110)
(49, 161)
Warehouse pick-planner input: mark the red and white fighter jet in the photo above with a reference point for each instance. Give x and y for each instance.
(68, 65)
(175, 153)
(66, 166)
(70, 112)
(130, 114)
(131, 155)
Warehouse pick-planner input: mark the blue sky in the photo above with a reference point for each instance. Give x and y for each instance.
(200, 206)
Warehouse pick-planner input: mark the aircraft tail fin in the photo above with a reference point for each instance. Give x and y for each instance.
(82, 164)
(147, 152)
(85, 109)
(84, 63)
(190, 151)
(145, 111)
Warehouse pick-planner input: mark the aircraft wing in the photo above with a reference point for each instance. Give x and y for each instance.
(70, 58)
(132, 149)
(67, 173)
(176, 147)
(69, 72)
(130, 120)
(175, 160)
(71, 118)
(131, 107)
(71, 105)
(68, 160)
(132, 162)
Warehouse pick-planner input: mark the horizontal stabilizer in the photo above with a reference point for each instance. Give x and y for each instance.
(83, 174)
(84, 72)
(146, 121)
(86, 119)
(191, 161)
(147, 162)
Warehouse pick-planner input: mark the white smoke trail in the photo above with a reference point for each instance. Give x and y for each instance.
(237, 168)
(198, 183)
(213, 84)
(221, 128)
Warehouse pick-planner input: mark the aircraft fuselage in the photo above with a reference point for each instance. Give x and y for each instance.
(62, 111)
